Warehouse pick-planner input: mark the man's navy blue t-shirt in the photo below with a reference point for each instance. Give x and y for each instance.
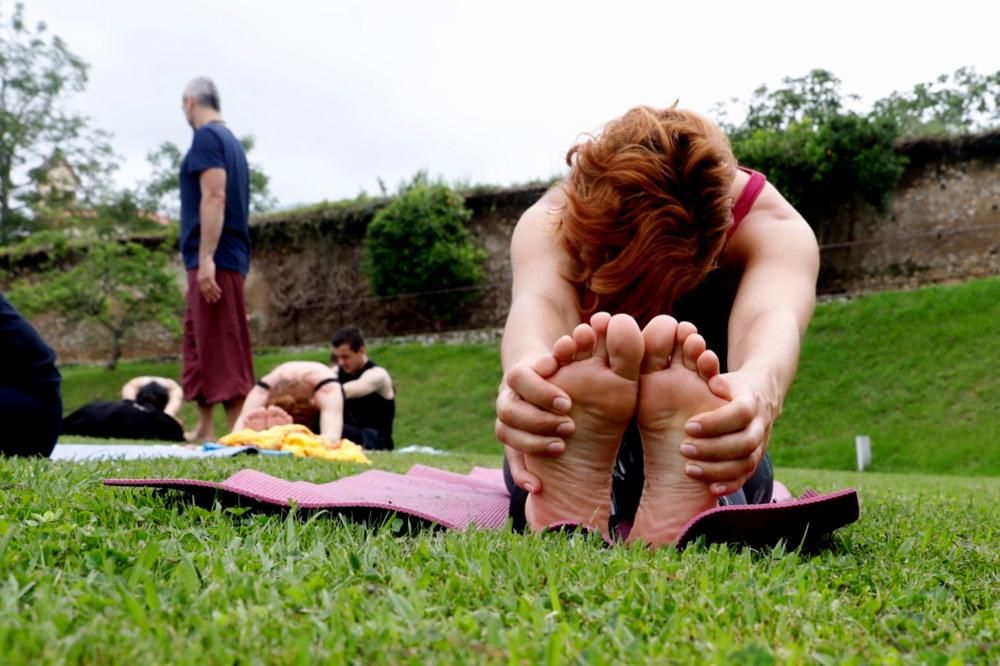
(214, 146)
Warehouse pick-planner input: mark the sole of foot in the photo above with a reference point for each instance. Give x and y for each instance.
(673, 386)
(599, 370)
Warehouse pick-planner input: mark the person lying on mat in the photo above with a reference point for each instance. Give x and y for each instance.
(144, 415)
(631, 419)
(313, 395)
(142, 389)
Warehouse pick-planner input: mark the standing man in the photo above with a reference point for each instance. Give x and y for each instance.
(215, 244)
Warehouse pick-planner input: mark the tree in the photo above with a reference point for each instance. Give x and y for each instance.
(118, 285)
(820, 155)
(38, 73)
(161, 193)
(960, 103)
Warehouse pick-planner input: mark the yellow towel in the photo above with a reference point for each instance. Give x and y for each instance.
(300, 441)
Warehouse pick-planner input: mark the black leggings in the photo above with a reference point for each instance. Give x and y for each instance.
(31, 421)
(627, 480)
(367, 438)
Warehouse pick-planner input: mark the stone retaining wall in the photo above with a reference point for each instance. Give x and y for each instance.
(942, 224)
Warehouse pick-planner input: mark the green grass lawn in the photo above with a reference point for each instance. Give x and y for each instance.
(118, 575)
(916, 371)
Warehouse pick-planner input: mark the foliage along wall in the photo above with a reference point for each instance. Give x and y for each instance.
(306, 280)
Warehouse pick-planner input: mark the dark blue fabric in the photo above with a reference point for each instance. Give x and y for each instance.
(28, 363)
(30, 398)
(214, 146)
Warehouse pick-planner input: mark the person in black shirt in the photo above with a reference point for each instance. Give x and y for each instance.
(30, 397)
(369, 395)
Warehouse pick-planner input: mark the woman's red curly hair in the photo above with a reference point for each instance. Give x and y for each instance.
(648, 203)
(295, 396)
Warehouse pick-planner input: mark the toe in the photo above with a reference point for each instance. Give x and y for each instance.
(599, 325)
(585, 341)
(685, 330)
(625, 346)
(708, 364)
(564, 350)
(658, 340)
(694, 346)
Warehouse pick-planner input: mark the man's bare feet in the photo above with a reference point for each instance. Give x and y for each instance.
(600, 372)
(673, 386)
(263, 418)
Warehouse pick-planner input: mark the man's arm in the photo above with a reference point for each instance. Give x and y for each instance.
(773, 306)
(372, 380)
(211, 217)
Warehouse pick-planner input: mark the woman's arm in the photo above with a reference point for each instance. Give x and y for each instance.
(773, 306)
(531, 412)
(330, 401)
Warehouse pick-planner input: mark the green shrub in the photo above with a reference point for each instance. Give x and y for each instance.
(420, 243)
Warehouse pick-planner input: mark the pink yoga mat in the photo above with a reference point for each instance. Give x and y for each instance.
(480, 499)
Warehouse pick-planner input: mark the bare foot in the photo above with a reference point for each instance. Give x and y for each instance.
(673, 386)
(257, 419)
(600, 372)
(263, 418)
(276, 416)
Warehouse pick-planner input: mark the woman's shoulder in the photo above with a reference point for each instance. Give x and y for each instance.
(549, 204)
(771, 222)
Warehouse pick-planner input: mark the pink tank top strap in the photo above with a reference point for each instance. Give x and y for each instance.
(748, 196)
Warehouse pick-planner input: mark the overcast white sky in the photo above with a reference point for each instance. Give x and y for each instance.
(341, 93)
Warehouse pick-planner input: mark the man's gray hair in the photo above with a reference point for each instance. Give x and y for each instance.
(204, 92)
